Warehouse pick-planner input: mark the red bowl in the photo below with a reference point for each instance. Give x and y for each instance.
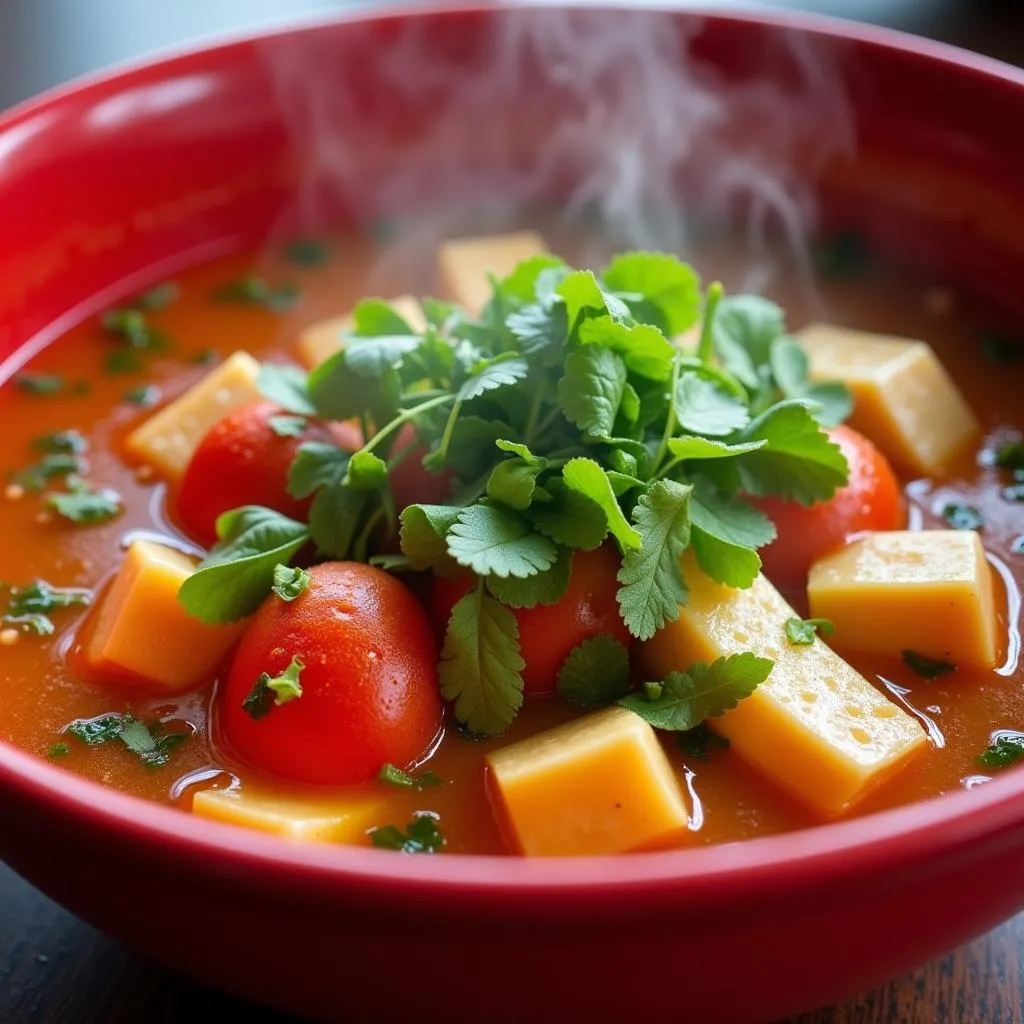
(117, 179)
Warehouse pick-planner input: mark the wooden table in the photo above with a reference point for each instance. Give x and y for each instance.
(56, 970)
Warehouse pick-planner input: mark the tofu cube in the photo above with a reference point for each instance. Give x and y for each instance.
(904, 400)
(600, 784)
(929, 591)
(321, 340)
(306, 818)
(815, 726)
(169, 437)
(464, 264)
(141, 629)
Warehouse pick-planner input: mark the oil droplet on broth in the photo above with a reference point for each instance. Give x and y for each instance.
(203, 778)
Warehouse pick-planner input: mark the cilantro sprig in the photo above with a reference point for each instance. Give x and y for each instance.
(631, 408)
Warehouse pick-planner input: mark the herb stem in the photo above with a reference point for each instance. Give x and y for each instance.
(404, 417)
(670, 419)
(531, 420)
(441, 455)
(706, 348)
(363, 540)
(667, 468)
(548, 421)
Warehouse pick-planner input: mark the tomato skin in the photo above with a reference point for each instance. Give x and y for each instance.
(411, 484)
(369, 683)
(871, 500)
(241, 461)
(548, 633)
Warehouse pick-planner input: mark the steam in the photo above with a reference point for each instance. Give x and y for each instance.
(622, 118)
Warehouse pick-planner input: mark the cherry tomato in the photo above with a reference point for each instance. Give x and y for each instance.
(411, 484)
(369, 679)
(548, 633)
(871, 500)
(241, 460)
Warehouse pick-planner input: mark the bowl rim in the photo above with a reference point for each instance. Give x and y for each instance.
(729, 871)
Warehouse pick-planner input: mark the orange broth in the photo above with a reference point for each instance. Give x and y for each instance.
(729, 800)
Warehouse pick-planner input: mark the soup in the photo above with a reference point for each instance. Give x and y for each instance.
(344, 667)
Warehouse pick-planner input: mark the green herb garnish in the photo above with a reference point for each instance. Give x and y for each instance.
(159, 297)
(289, 582)
(1006, 749)
(61, 442)
(269, 691)
(963, 517)
(39, 383)
(49, 467)
(146, 395)
(58, 750)
(595, 673)
(405, 780)
(802, 632)
(308, 252)
(698, 743)
(83, 504)
(422, 835)
(132, 326)
(255, 291)
(149, 742)
(927, 668)
(29, 608)
(287, 426)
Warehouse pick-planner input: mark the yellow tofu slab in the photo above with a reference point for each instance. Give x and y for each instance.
(929, 591)
(600, 784)
(169, 437)
(464, 263)
(815, 726)
(302, 818)
(321, 340)
(142, 629)
(904, 400)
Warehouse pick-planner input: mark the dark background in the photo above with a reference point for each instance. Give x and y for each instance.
(56, 970)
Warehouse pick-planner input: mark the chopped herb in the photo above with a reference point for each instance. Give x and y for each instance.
(133, 326)
(422, 835)
(255, 291)
(41, 596)
(269, 691)
(844, 255)
(595, 673)
(40, 625)
(122, 360)
(697, 743)
(287, 426)
(289, 582)
(963, 517)
(1005, 750)
(803, 631)
(49, 467)
(405, 780)
(150, 743)
(203, 357)
(159, 297)
(999, 349)
(308, 252)
(146, 395)
(58, 750)
(84, 504)
(39, 383)
(70, 442)
(927, 668)
(1008, 454)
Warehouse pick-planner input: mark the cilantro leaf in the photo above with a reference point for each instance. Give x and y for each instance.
(744, 328)
(644, 349)
(725, 531)
(595, 673)
(540, 331)
(790, 365)
(394, 776)
(963, 517)
(374, 318)
(591, 389)
(493, 373)
(586, 477)
(335, 518)
(803, 632)
(289, 581)
(422, 835)
(520, 286)
(423, 532)
(471, 450)
(286, 386)
(489, 541)
(238, 573)
(256, 291)
(704, 408)
(38, 383)
(49, 467)
(652, 579)
(269, 692)
(41, 598)
(70, 442)
(703, 691)
(287, 426)
(481, 664)
(373, 357)
(513, 483)
(835, 400)
(149, 743)
(663, 290)
(84, 504)
(542, 588)
(798, 462)
(366, 472)
(34, 622)
(580, 291)
(316, 464)
(706, 448)
(927, 668)
(1005, 749)
(571, 518)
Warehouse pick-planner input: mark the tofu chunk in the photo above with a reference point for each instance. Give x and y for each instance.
(321, 340)
(302, 818)
(600, 784)
(169, 437)
(815, 726)
(904, 400)
(929, 591)
(141, 629)
(464, 263)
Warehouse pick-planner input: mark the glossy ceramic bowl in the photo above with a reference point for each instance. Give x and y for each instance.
(131, 175)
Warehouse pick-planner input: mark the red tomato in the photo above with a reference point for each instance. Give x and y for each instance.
(411, 484)
(871, 500)
(242, 461)
(549, 632)
(369, 679)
